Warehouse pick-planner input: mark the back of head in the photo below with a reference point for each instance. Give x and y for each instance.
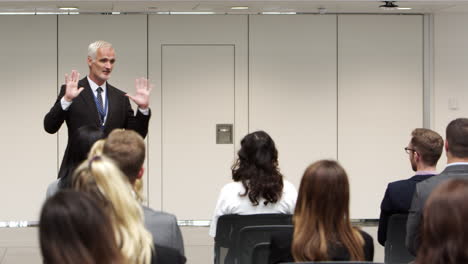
(101, 178)
(257, 168)
(127, 149)
(457, 138)
(443, 238)
(429, 144)
(80, 144)
(73, 228)
(321, 216)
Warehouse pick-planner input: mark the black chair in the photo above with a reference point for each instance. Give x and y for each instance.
(253, 246)
(395, 249)
(261, 252)
(229, 226)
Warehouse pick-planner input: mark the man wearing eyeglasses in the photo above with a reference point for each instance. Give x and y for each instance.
(456, 149)
(424, 150)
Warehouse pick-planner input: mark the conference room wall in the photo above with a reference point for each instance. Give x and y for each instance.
(129, 36)
(380, 101)
(28, 72)
(450, 72)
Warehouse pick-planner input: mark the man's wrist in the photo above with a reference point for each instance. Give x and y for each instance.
(65, 104)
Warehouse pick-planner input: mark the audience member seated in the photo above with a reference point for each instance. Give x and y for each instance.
(424, 150)
(80, 144)
(322, 228)
(443, 238)
(127, 149)
(74, 229)
(258, 187)
(101, 178)
(456, 148)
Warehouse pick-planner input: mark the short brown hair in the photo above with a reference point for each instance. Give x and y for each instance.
(457, 137)
(428, 144)
(127, 149)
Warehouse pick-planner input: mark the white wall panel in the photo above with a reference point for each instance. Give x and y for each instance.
(200, 63)
(28, 74)
(379, 101)
(450, 71)
(128, 37)
(293, 87)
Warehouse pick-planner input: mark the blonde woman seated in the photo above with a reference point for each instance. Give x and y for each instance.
(101, 178)
(444, 238)
(258, 187)
(322, 228)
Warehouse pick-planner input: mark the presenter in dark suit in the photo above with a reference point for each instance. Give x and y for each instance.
(424, 151)
(456, 148)
(92, 100)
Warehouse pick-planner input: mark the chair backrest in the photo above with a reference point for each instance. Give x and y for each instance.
(229, 226)
(260, 252)
(395, 249)
(257, 238)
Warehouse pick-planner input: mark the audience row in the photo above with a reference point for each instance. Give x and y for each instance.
(107, 185)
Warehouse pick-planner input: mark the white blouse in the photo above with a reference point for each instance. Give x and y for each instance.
(230, 202)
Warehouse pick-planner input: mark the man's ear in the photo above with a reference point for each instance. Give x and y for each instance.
(90, 60)
(140, 173)
(446, 146)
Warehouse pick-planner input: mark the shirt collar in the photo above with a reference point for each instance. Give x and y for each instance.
(94, 86)
(456, 163)
(426, 172)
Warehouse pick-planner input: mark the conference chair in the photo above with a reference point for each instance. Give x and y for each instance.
(395, 249)
(253, 246)
(229, 226)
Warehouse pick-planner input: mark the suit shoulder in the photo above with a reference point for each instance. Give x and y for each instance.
(148, 212)
(115, 90)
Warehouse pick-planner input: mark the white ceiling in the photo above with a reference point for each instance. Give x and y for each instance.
(221, 6)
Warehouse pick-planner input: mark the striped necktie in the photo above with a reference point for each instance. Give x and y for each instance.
(100, 106)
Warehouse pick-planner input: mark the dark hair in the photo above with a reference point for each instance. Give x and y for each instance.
(428, 144)
(457, 137)
(257, 168)
(127, 149)
(443, 237)
(80, 144)
(74, 229)
(321, 217)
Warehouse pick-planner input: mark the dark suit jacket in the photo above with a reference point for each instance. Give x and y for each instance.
(165, 255)
(397, 200)
(83, 111)
(281, 241)
(422, 192)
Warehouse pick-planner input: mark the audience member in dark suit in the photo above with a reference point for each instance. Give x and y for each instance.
(443, 238)
(456, 148)
(75, 229)
(127, 149)
(322, 228)
(80, 145)
(93, 101)
(424, 150)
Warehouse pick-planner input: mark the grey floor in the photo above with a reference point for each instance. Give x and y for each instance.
(20, 245)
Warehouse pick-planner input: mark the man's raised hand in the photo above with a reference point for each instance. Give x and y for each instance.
(142, 94)
(71, 86)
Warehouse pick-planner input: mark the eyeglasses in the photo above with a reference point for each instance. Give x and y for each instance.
(408, 150)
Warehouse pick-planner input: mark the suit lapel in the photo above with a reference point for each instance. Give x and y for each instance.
(88, 98)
